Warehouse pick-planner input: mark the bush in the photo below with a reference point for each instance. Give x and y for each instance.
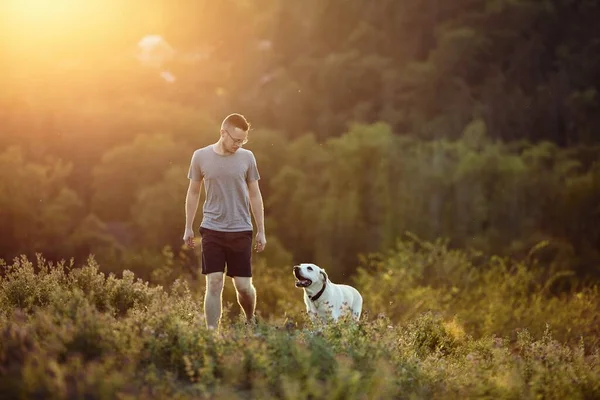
(100, 338)
(493, 296)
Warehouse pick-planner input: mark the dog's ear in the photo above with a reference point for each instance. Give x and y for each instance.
(324, 275)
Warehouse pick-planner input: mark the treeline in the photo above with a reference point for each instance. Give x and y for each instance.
(325, 202)
(475, 120)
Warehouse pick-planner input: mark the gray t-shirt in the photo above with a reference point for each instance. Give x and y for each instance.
(226, 178)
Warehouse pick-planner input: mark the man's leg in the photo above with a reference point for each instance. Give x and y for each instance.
(239, 267)
(213, 299)
(246, 295)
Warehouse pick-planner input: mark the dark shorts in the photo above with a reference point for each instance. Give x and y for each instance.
(233, 249)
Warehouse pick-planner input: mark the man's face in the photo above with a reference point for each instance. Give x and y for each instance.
(234, 139)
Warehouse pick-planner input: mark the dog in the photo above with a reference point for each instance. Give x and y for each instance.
(323, 298)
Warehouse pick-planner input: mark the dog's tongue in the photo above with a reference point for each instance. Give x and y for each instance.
(302, 282)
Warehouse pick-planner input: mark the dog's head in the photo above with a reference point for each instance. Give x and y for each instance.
(309, 274)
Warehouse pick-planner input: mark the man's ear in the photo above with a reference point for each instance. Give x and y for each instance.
(324, 275)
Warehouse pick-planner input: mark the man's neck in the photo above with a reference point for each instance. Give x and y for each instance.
(220, 149)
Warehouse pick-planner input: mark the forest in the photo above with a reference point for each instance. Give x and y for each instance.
(473, 121)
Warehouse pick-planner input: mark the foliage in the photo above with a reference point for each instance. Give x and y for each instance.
(70, 331)
(359, 192)
(324, 202)
(486, 296)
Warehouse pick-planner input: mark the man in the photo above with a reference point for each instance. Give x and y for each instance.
(230, 176)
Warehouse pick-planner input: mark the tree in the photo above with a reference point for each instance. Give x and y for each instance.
(38, 211)
(126, 170)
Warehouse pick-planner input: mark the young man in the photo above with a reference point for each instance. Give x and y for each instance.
(230, 176)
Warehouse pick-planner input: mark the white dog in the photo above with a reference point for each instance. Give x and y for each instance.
(324, 298)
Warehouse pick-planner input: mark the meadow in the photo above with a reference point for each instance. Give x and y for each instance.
(71, 331)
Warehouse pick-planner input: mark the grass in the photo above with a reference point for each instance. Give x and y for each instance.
(71, 332)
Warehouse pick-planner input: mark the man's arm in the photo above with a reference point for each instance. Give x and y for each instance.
(256, 203)
(191, 207)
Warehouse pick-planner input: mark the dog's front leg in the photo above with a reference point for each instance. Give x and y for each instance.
(335, 311)
(311, 310)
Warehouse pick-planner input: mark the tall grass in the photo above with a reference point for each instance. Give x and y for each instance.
(436, 325)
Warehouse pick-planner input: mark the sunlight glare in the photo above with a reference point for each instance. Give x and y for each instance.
(43, 14)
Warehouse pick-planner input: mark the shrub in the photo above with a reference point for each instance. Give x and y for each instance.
(493, 296)
(119, 338)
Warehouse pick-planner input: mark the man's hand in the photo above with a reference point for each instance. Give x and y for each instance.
(188, 237)
(261, 242)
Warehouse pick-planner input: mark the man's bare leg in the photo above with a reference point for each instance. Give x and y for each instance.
(246, 295)
(213, 299)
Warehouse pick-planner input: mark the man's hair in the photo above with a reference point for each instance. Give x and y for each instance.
(237, 121)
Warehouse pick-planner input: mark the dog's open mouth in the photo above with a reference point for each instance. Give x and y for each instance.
(301, 281)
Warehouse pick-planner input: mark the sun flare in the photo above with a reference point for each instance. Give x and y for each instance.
(41, 15)
(55, 30)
